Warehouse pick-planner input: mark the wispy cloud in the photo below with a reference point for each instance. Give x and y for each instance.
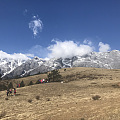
(36, 25)
(25, 12)
(103, 47)
(86, 41)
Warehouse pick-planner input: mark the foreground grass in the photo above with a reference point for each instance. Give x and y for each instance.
(83, 98)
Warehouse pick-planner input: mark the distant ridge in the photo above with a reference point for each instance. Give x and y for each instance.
(15, 68)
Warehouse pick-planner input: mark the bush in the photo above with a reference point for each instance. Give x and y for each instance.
(48, 99)
(117, 85)
(96, 97)
(30, 100)
(22, 84)
(37, 97)
(3, 87)
(31, 83)
(2, 114)
(37, 82)
(10, 85)
(82, 119)
(6, 99)
(0, 76)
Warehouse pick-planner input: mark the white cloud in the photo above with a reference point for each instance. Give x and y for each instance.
(103, 47)
(13, 56)
(64, 49)
(36, 25)
(68, 49)
(30, 55)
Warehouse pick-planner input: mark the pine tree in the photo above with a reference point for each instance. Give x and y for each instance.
(22, 84)
(54, 76)
(10, 85)
(0, 76)
(31, 83)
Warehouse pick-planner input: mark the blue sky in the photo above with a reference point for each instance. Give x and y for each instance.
(49, 28)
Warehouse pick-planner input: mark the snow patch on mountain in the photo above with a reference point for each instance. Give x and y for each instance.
(10, 68)
(8, 65)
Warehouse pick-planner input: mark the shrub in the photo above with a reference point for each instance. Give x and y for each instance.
(0, 76)
(82, 119)
(3, 87)
(31, 83)
(117, 85)
(37, 97)
(30, 100)
(93, 83)
(2, 114)
(37, 82)
(48, 99)
(22, 84)
(96, 97)
(10, 85)
(6, 99)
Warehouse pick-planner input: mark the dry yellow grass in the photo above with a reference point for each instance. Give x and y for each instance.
(66, 101)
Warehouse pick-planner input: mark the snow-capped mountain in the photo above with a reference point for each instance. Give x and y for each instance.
(8, 65)
(13, 69)
(24, 69)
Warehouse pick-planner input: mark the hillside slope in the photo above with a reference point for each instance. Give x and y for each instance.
(66, 101)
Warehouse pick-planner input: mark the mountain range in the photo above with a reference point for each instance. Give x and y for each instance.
(10, 68)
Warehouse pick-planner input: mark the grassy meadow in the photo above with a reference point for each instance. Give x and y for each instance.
(84, 94)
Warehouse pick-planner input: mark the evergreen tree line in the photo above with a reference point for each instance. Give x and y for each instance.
(53, 76)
